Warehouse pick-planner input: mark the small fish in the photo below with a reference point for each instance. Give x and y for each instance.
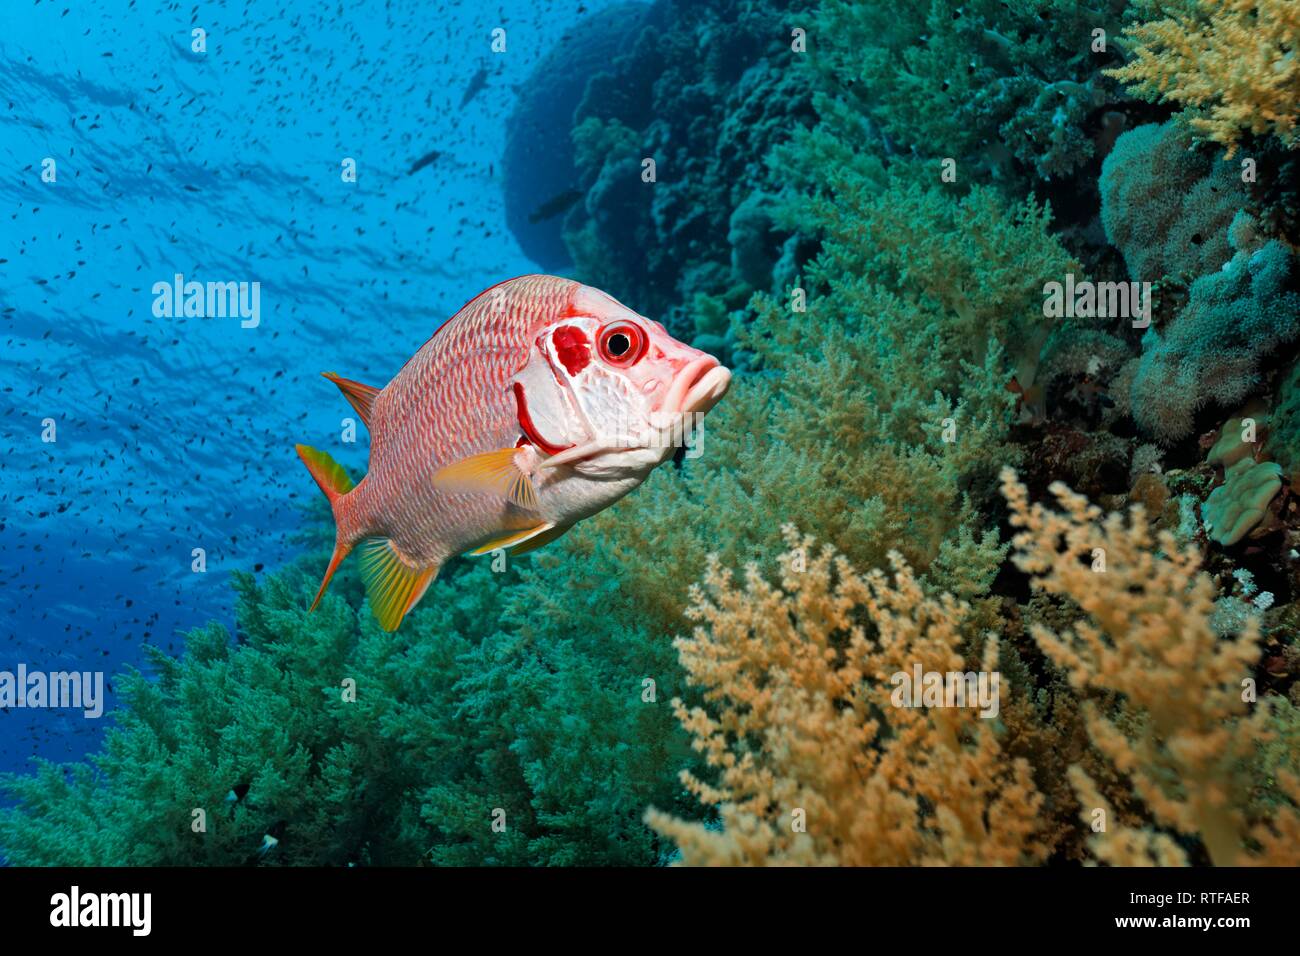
(476, 83)
(540, 403)
(423, 161)
(557, 204)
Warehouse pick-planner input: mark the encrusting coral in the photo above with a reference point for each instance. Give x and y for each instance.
(1240, 503)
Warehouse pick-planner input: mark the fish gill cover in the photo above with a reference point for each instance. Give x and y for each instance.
(990, 556)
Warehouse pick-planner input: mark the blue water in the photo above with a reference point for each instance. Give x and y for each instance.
(177, 433)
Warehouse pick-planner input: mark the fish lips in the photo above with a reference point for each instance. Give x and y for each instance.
(697, 387)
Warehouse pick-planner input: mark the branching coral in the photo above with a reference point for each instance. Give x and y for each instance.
(812, 762)
(1232, 65)
(1181, 730)
(816, 765)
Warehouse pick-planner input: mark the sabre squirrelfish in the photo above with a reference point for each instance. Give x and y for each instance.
(538, 404)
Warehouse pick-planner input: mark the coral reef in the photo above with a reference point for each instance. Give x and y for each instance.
(894, 355)
(1230, 64)
(538, 170)
(1166, 207)
(816, 762)
(706, 91)
(1006, 89)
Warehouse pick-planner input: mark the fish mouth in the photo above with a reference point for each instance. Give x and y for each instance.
(698, 387)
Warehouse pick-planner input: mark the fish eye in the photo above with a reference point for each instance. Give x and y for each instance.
(622, 344)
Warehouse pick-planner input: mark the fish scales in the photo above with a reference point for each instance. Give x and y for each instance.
(540, 403)
(450, 401)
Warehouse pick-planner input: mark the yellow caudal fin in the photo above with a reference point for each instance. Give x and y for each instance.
(513, 538)
(491, 471)
(334, 481)
(359, 396)
(393, 586)
(329, 474)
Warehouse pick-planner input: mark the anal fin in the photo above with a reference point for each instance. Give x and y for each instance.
(393, 586)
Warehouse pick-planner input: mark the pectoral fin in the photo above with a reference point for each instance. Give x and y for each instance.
(491, 471)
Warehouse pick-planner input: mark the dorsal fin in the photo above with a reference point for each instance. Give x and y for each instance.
(359, 396)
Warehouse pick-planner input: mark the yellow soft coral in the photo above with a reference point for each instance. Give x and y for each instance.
(1188, 735)
(1232, 64)
(815, 765)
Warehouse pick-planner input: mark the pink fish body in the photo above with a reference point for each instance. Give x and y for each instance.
(541, 402)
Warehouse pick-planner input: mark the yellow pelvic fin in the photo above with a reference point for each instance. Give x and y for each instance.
(539, 540)
(512, 538)
(393, 586)
(491, 471)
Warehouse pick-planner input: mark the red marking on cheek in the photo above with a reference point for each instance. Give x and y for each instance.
(572, 348)
(528, 428)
